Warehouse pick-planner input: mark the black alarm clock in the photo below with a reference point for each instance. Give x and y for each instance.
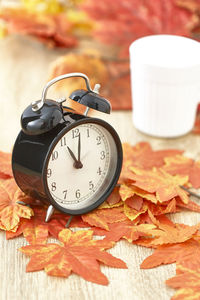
(70, 161)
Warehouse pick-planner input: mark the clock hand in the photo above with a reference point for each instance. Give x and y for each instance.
(79, 147)
(77, 164)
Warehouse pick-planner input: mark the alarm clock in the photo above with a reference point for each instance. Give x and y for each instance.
(68, 160)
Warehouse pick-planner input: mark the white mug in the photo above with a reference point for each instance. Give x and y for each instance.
(165, 83)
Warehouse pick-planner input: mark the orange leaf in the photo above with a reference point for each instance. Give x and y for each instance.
(132, 213)
(160, 182)
(102, 217)
(90, 64)
(187, 281)
(190, 205)
(5, 165)
(126, 230)
(127, 191)
(53, 30)
(77, 253)
(36, 230)
(142, 156)
(168, 234)
(187, 253)
(181, 165)
(10, 210)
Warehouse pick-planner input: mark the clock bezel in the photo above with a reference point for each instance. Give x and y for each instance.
(116, 175)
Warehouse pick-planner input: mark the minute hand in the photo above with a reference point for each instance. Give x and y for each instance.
(79, 148)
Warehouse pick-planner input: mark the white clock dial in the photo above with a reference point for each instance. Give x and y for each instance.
(81, 166)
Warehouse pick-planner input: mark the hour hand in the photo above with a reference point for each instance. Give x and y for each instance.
(77, 164)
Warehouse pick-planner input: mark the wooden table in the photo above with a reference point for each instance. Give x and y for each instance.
(23, 72)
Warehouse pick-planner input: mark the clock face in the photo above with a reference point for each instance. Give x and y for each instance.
(81, 166)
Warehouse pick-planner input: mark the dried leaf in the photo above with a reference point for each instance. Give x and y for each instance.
(102, 217)
(187, 281)
(54, 30)
(128, 20)
(92, 65)
(181, 165)
(10, 210)
(36, 230)
(187, 252)
(142, 156)
(127, 191)
(127, 230)
(160, 182)
(77, 253)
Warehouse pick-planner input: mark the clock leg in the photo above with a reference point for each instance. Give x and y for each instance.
(50, 211)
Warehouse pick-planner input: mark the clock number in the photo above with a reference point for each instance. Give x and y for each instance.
(98, 139)
(63, 141)
(53, 186)
(54, 155)
(49, 173)
(75, 133)
(65, 194)
(103, 155)
(88, 132)
(99, 171)
(91, 185)
(78, 194)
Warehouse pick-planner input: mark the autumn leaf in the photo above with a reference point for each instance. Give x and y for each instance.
(92, 65)
(77, 253)
(10, 210)
(187, 253)
(191, 205)
(127, 230)
(181, 165)
(36, 230)
(102, 217)
(128, 20)
(53, 30)
(132, 213)
(127, 191)
(168, 234)
(141, 155)
(187, 281)
(5, 165)
(160, 182)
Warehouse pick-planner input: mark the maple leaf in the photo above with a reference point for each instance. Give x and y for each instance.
(128, 20)
(54, 30)
(5, 165)
(102, 217)
(187, 253)
(128, 191)
(162, 209)
(190, 205)
(90, 64)
(126, 229)
(187, 281)
(132, 213)
(142, 156)
(36, 230)
(181, 165)
(10, 210)
(160, 182)
(171, 233)
(78, 252)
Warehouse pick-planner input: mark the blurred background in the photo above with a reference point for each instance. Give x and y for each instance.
(42, 39)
